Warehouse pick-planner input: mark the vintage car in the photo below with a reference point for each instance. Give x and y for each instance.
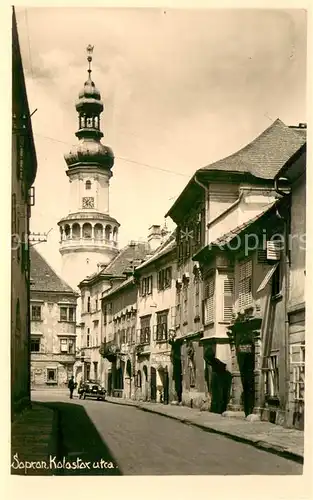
(92, 389)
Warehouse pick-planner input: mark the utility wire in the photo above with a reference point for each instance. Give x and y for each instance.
(119, 157)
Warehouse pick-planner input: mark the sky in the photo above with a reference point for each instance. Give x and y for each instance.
(181, 89)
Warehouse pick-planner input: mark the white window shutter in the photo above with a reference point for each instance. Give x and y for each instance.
(228, 298)
(273, 250)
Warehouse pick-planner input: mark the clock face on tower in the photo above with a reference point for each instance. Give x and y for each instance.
(88, 202)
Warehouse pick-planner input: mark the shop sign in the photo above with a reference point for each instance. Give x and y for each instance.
(245, 348)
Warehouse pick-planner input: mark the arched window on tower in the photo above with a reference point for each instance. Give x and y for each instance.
(76, 231)
(67, 232)
(108, 231)
(87, 230)
(88, 185)
(98, 232)
(82, 121)
(96, 121)
(89, 122)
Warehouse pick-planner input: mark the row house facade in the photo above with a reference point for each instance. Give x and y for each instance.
(263, 301)
(90, 364)
(138, 318)
(53, 325)
(218, 199)
(23, 174)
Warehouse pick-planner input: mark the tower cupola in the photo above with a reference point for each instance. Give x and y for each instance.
(89, 107)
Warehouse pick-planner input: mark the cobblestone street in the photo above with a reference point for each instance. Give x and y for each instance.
(141, 443)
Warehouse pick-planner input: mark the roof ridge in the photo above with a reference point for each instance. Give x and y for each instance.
(248, 145)
(36, 252)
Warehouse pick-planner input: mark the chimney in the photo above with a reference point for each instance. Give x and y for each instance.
(154, 237)
(302, 125)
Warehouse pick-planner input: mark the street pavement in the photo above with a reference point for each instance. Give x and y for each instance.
(123, 440)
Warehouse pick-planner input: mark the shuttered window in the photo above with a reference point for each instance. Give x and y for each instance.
(228, 297)
(245, 283)
(208, 302)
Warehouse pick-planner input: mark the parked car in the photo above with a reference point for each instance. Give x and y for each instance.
(92, 389)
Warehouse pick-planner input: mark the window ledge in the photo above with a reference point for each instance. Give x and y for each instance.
(66, 321)
(224, 322)
(211, 323)
(37, 320)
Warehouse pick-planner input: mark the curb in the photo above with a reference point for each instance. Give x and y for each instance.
(271, 448)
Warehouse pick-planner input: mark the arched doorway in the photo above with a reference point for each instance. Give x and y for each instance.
(128, 379)
(145, 383)
(153, 384)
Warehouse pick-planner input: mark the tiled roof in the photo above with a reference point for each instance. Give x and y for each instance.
(265, 155)
(228, 237)
(123, 261)
(43, 277)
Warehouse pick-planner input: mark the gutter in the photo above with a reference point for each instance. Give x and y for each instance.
(229, 209)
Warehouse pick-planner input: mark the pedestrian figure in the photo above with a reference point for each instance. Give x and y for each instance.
(71, 386)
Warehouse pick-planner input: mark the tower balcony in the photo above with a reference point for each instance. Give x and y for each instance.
(73, 243)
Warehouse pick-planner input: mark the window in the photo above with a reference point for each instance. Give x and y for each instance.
(208, 303)
(104, 313)
(145, 330)
(51, 375)
(95, 370)
(161, 326)
(245, 283)
(71, 346)
(36, 313)
(123, 336)
(272, 376)
(96, 304)
(35, 344)
(88, 185)
(63, 345)
(228, 297)
(88, 337)
(197, 297)
(146, 286)
(164, 278)
(185, 302)
(67, 314)
(88, 304)
(297, 364)
(270, 273)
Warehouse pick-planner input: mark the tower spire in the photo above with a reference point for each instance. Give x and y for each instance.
(89, 50)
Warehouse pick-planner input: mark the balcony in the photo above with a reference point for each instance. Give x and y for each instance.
(109, 350)
(71, 243)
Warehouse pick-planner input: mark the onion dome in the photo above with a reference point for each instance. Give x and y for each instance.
(90, 151)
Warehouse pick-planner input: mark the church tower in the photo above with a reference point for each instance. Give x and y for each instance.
(89, 235)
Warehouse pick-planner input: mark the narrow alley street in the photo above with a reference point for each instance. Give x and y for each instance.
(140, 443)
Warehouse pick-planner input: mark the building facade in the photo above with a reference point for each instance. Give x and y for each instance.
(88, 234)
(24, 168)
(219, 198)
(53, 325)
(294, 172)
(93, 330)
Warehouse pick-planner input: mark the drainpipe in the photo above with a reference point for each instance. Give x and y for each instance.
(287, 273)
(206, 194)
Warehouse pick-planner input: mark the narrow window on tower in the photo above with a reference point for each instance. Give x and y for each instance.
(88, 185)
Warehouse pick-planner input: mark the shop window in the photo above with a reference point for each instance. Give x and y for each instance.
(51, 375)
(272, 376)
(297, 364)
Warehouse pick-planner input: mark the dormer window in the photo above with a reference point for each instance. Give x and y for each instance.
(88, 185)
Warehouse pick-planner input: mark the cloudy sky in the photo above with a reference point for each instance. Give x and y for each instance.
(182, 88)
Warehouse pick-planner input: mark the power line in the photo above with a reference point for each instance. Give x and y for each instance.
(119, 157)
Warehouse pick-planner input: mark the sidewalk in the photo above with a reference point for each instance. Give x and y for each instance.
(288, 443)
(33, 439)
